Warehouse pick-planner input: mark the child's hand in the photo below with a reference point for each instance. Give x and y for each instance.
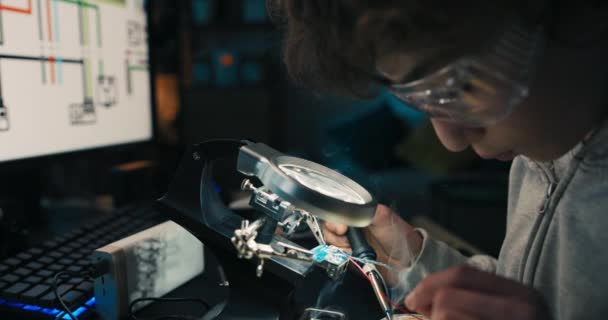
(395, 241)
(466, 293)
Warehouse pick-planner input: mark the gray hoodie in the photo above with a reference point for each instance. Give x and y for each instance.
(557, 233)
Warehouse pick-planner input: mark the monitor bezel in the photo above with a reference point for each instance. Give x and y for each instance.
(10, 166)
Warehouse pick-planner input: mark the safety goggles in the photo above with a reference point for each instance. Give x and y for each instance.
(478, 91)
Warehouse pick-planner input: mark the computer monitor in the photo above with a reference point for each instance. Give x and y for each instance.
(74, 75)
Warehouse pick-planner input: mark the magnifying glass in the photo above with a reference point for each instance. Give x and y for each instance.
(321, 191)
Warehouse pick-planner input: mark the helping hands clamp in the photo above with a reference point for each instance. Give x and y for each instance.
(288, 216)
(289, 219)
(244, 240)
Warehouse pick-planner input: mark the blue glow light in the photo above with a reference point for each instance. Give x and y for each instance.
(51, 312)
(91, 302)
(80, 311)
(32, 308)
(76, 313)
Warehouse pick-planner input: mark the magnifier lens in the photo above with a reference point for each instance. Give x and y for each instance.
(322, 183)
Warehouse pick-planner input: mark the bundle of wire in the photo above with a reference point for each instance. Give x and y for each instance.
(57, 281)
(354, 261)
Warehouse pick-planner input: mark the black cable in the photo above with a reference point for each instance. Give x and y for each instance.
(57, 277)
(100, 269)
(171, 316)
(96, 269)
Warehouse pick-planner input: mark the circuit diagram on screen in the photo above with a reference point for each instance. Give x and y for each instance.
(72, 56)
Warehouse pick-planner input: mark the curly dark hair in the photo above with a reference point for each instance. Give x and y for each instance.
(340, 45)
(337, 45)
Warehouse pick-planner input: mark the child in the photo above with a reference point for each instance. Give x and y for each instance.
(514, 80)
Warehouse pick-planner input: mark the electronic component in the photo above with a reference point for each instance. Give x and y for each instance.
(148, 264)
(330, 258)
(26, 278)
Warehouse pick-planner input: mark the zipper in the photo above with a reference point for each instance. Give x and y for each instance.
(549, 175)
(528, 272)
(545, 205)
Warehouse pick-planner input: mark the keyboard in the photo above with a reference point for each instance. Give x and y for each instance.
(26, 279)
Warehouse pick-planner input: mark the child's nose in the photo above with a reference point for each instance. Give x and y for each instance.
(456, 138)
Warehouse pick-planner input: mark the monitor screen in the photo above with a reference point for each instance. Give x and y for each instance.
(74, 75)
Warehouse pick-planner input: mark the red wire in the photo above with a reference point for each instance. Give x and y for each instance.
(27, 10)
(382, 293)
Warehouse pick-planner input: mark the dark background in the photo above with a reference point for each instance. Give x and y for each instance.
(219, 75)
